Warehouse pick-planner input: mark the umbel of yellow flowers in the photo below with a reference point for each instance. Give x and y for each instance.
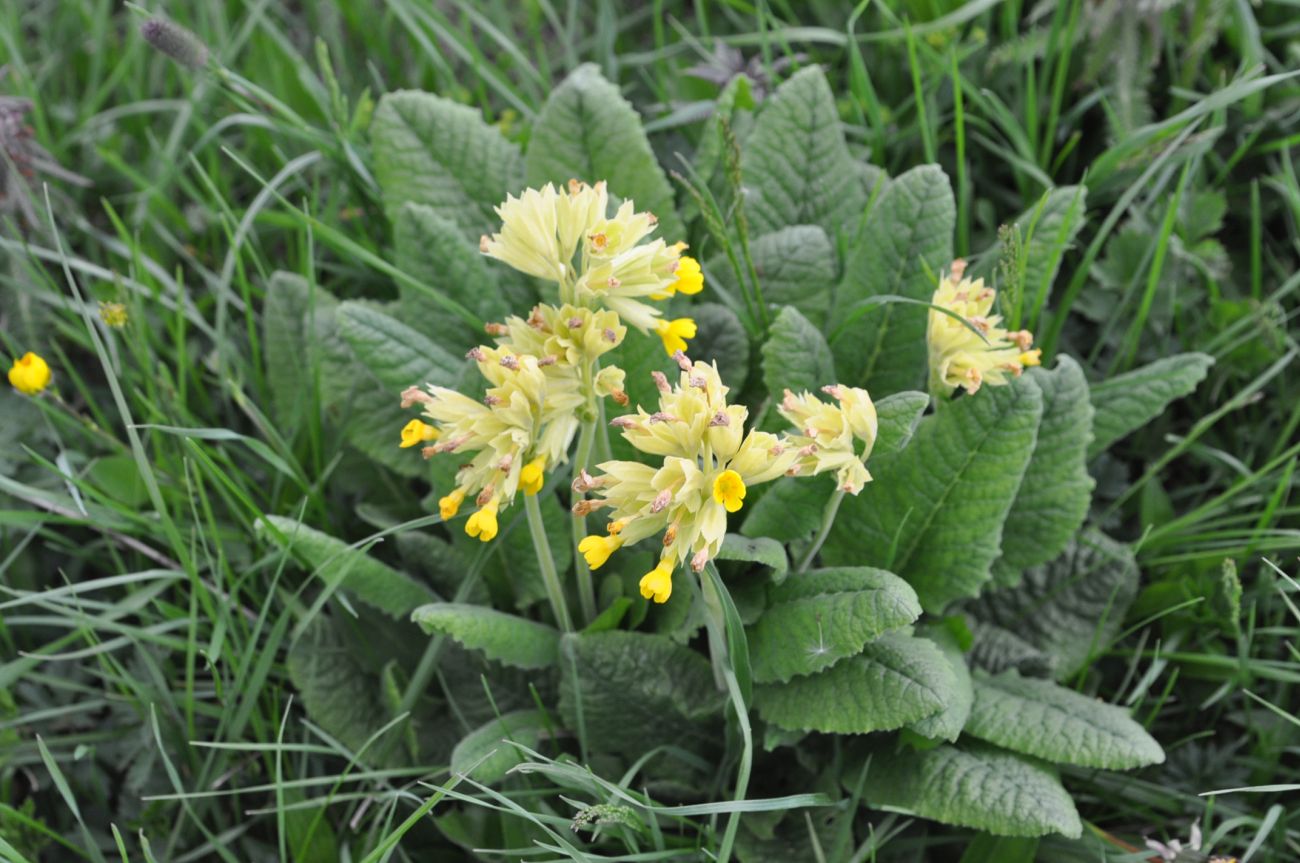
(598, 261)
(540, 377)
(981, 353)
(708, 464)
(835, 437)
(30, 374)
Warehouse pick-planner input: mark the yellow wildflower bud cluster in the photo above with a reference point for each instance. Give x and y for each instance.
(598, 261)
(836, 437)
(709, 461)
(30, 374)
(983, 352)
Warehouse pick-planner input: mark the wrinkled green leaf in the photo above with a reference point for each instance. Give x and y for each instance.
(795, 267)
(721, 338)
(934, 513)
(768, 552)
(818, 618)
(896, 680)
(1056, 491)
(433, 151)
(795, 162)
(292, 359)
(636, 691)
(906, 243)
(1129, 401)
(339, 565)
(514, 641)
(1067, 607)
(396, 355)
(972, 785)
(1040, 718)
(486, 754)
(949, 722)
(796, 356)
(588, 131)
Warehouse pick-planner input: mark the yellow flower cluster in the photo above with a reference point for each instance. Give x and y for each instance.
(539, 375)
(598, 261)
(978, 351)
(827, 436)
(709, 461)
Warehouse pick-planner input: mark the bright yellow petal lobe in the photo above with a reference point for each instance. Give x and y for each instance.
(1032, 358)
(689, 278)
(449, 505)
(483, 524)
(597, 549)
(729, 490)
(416, 432)
(675, 333)
(30, 374)
(532, 475)
(657, 584)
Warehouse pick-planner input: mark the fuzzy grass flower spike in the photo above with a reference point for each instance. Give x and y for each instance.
(836, 437)
(30, 374)
(977, 352)
(708, 464)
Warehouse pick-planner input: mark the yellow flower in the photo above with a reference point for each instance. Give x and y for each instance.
(1032, 358)
(449, 505)
(675, 333)
(729, 490)
(416, 432)
(597, 549)
(826, 435)
(972, 349)
(657, 584)
(690, 280)
(483, 524)
(30, 374)
(530, 478)
(113, 314)
(708, 464)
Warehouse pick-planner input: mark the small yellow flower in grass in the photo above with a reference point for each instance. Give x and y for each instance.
(415, 433)
(657, 584)
(675, 333)
(449, 505)
(969, 348)
(729, 490)
(113, 315)
(597, 549)
(483, 524)
(531, 477)
(30, 374)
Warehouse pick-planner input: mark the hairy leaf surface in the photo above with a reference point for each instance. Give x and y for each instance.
(818, 618)
(1043, 719)
(515, 641)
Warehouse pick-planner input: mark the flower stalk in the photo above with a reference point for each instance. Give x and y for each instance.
(550, 577)
(828, 521)
(581, 461)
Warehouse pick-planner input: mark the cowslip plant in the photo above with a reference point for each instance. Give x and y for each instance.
(949, 589)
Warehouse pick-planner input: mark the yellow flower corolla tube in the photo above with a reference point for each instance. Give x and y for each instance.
(597, 549)
(657, 584)
(836, 437)
(483, 524)
(416, 432)
(30, 374)
(708, 463)
(675, 333)
(972, 349)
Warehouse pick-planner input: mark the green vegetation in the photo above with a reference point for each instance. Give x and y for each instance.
(1057, 622)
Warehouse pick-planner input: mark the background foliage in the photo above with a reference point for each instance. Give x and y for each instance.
(198, 661)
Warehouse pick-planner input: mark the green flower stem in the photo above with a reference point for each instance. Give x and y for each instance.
(581, 461)
(828, 520)
(551, 578)
(724, 668)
